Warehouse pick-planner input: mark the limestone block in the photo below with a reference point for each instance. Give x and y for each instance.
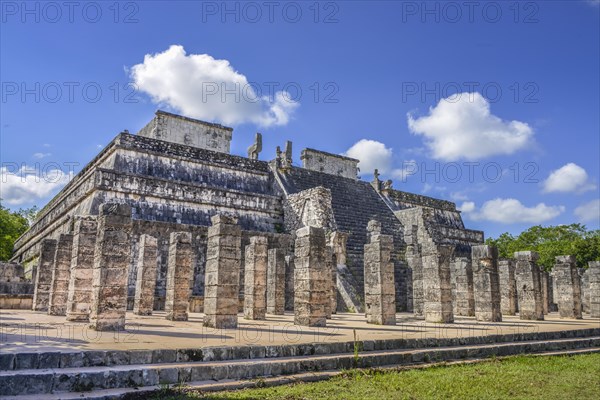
(508, 286)
(79, 299)
(593, 272)
(437, 284)
(179, 276)
(529, 286)
(255, 278)
(276, 280)
(486, 284)
(380, 289)
(546, 295)
(145, 283)
(61, 274)
(568, 287)
(462, 283)
(584, 278)
(111, 264)
(43, 281)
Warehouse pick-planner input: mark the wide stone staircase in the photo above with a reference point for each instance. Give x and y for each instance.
(137, 373)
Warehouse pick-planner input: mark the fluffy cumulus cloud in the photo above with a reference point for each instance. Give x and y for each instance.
(199, 86)
(589, 212)
(510, 211)
(463, 127)
(568, 178)
(29, 185)
(376, 155)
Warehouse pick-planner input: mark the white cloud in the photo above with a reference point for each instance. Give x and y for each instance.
(200, 86)
(41, 155)
(568, 178)
(462, 127)
(511, 211)
(376, 155)
(28, 185)
(589, 212)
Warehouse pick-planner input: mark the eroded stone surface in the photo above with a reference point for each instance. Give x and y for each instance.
(43, 281)
(179, 276)
(146, 276)
(508, 286)
(594, 288)
(529, 286)
(61, 273)
(462, 284)
(486, 283)
(437, 284)
(568, 287)
(276, 278)
(255, 278)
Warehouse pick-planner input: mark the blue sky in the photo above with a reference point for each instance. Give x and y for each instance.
(493, 106)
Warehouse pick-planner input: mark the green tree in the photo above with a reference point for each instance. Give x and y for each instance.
(552, 241)
(12, 225)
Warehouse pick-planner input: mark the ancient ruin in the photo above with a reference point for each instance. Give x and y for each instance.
(508, 286)
(568, 287)
(145, 282)
(529, 286)
(594, 288)
(179, 275)
(486, 283)
(61, 273)
(255, 275)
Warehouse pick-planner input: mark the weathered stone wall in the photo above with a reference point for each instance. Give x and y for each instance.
(276, 281)
(111, 261)
(568, 287)
(437, 285)
(486, 283)
(79, 298)
(187, 131)
(43, 280)
(584, 278)
(145, 282)
(328, 163)
(255, 274)
(462, 286)
(594, 288)
(12, 272)
(546, 291)
(529, 285)
(508, 286)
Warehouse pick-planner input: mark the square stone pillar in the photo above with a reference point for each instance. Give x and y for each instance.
(508, 287)
(529, 285)
(180, 271)
(380, 289)
(312, 285)
(437, 283)
(43, 280)
(462, 278)
(276, 282)
(414, 258)
(222, 276)
(255, 278)
(145, 283)
(568, 287)
(79, 299)
(60, 275)
(593, 273)
(112, 256)
(486, 283)
(332, 277)
(289, 282)
(546, 297)
(584, 278)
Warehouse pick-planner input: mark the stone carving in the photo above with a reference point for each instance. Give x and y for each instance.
(111, 262)
(79, 300)
(462, 283)
(529, 286)
(255, 278)
(380, 292)
(437, 286)
(222, 276)
(146, 276)
(41, 294)
(486, 284)
(179, 276)
(256, 148)
(594, 288)
(568, 287)
(60, 275)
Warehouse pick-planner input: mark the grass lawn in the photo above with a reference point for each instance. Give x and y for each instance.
(524, 377)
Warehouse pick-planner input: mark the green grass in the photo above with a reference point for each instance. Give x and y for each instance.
(557, 377)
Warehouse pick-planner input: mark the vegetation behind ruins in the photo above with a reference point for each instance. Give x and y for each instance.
(12, 225)
(552, 241)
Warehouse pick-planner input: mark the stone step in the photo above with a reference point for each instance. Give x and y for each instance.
(149, 377)
(23, 360)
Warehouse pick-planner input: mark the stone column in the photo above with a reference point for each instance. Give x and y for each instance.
(529, 286)
(380, 290)
(568, 287)
(545, 284)
(462, 277)
(486, 283)
(111, 265)
(41, 293)
(79, 299)
(60, 275)
(311, 282)
(584, 278)
(222, 276)
(255, 278)
(180, 272)
(437, 284)
(276, 282)
(331, 267)
(593, 273)
(414, 259)
(508, 287)
(145, 282)
(289, 282)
